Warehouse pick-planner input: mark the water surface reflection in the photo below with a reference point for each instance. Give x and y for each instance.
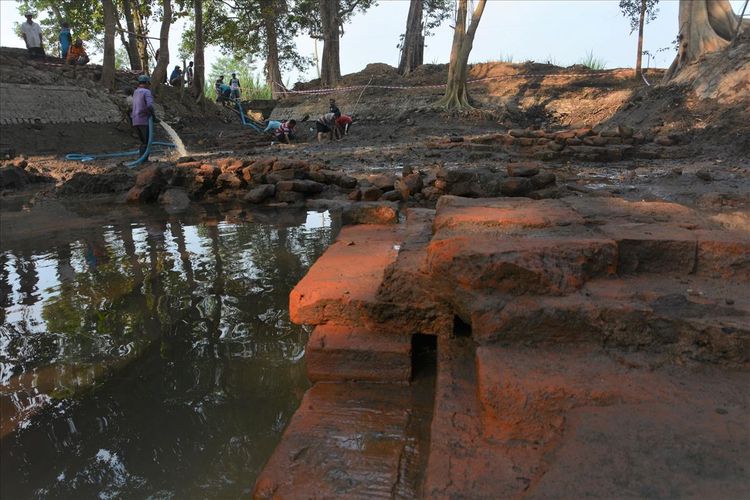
(151, 358)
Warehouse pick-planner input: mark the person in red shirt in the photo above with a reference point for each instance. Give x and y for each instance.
(343, 123)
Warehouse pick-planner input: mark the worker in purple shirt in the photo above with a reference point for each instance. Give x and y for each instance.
(143, 108)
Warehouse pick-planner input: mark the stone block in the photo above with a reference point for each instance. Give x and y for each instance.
(260, 193)
(338, 353)
(523, 169)
(653, 248)
(516, 186)
(370, 213)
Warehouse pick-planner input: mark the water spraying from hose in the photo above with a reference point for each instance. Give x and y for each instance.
(179, 145)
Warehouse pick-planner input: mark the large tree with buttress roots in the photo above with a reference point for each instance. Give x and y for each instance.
(456, 96)
(705, 26)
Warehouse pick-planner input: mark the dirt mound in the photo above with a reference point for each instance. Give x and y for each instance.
(708, 101)
(518, 95)
(49, 107)
(18, 69)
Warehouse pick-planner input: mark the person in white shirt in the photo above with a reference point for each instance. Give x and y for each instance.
(234, 84)
(32, 35)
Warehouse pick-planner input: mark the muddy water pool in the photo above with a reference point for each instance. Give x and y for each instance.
(148, 355)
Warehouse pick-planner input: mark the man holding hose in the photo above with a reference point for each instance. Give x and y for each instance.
(143, 108)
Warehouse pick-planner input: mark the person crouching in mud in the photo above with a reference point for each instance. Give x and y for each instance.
(143, 107)
(343, 123)
(285, 132)
(326, 124)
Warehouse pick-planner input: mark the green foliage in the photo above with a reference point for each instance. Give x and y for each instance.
(435, 12)
(307, 14)
(631, 9)
(239, 29)
(253, 85)
(593, 62)
(122, 61)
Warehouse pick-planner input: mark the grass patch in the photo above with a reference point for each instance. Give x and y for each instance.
(593, 62)
(551, 61)
(253, 84)
(255, 88)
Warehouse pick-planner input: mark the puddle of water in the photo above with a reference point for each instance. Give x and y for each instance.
(151, 358)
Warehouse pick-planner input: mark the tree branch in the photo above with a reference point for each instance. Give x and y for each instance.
(475, 18)
(352, 6)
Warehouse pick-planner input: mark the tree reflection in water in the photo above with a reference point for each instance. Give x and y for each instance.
(163, 361)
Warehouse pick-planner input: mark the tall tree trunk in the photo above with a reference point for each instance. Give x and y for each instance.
(705, 26)
(412, 49)
(108, 63)
(330, 71)
(639, 55)
(160, 71)
(272, 68)
(132, 45)
(140, 33)
(199, 70)
(456, 96)
(123, 40)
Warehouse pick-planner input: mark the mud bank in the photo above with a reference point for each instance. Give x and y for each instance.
(590, 347)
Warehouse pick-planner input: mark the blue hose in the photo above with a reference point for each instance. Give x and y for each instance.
(151, 142)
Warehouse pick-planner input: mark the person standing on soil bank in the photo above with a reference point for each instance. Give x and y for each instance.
(217, 86)
(234, 84)
(325, 125)
(143, 107)
(77, 54)
(66, 40)
(332, 108)
(32, 35)
(175, 79)
(189, 74)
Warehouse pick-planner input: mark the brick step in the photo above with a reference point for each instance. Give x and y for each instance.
(514, 246)
(338, 353)
(700, 318)
(519, 265)
(341, 287)
(661, 248)
(554, 247)
(406, 291)
(660, 237)
(462, 463)
(344, 441)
